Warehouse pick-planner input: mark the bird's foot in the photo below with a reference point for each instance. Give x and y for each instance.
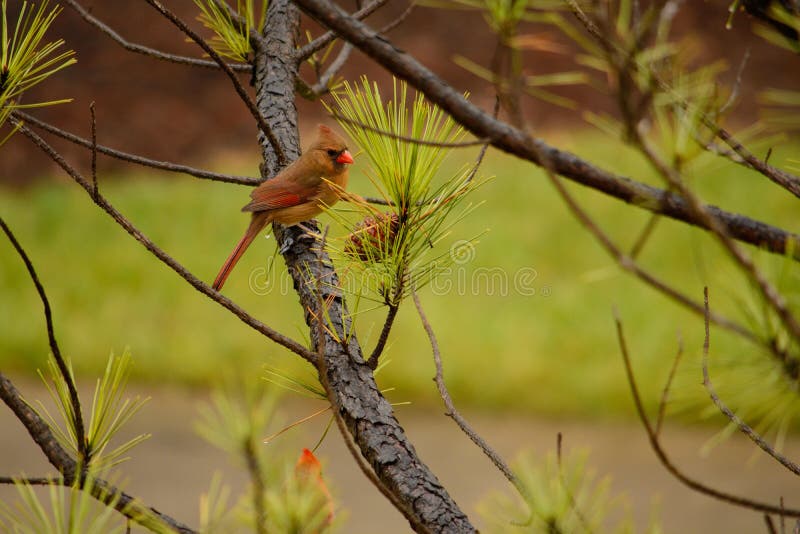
(286, 245)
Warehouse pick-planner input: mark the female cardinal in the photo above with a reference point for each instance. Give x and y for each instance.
(298, 193)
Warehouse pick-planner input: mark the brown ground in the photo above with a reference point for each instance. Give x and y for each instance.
(171, 469)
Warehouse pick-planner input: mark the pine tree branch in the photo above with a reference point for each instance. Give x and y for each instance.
(516, 142)
(126, 504)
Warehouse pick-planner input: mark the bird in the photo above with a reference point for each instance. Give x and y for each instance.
(317, 179)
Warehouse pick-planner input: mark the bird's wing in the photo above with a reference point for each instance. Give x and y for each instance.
(274, 194)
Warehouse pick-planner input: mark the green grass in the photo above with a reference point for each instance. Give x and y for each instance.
(553, 351)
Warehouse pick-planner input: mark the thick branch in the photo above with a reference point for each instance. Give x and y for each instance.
(348, 380)
(516, 142)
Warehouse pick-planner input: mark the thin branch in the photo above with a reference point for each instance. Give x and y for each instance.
(743, 427)
(662, 404)
(165, 258)
(454, 414)
(745, 263)
(394, 305)
(133, 158)
(629, 264)
(326, 38)
(32, 481)
(63, 368)
(661, 454)
(321, 87)
(147, 51)
(770, 524)
(128, 505)
(644, 236)
(95, 190)
(787, 181)
(237, 85)
(518, 143)
(400, 18)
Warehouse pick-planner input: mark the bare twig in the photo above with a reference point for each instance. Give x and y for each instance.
(95, 190)
(647, 231)
(399, 19)
(743, 427)
(662, 456)
(126, 504)
(326, 38)
(147, 51)
(184, 273)
(454, 414)
(133, 158)
(63, 367)
(32, 481)
(394, 305)
(321, 87)
(769, 524)
(237, 85)
(662, 404)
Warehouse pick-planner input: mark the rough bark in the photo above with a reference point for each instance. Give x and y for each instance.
(344, 373)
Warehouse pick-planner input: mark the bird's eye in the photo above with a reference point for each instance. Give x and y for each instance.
(332, 152)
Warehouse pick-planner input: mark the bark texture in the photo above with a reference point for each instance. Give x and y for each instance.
(344, 373)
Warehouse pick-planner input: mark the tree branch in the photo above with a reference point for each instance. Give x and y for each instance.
(661, 454)
(133, 158)
(455, 415)
(302, 53)
(743, 427)
(63, 368)
(147, 51)
(126, 504)
(516, 142)
(349, 383)
(237, 85)
(184, 273)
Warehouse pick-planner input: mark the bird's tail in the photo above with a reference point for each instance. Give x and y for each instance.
(258, 222)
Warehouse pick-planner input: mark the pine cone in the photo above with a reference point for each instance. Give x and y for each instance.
(372, 238)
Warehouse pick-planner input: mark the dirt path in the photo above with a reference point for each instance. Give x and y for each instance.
(173, 467)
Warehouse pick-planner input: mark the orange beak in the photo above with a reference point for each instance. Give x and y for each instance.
(345, 157)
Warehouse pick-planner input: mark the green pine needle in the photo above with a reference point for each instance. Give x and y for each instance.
(231, 40)
(390, 253)
(24, 60)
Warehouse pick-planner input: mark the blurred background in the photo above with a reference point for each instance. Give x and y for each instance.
(524, 317)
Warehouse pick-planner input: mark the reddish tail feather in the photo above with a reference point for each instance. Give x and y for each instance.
(259, 221)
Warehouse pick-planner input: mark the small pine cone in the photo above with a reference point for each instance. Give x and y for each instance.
(372, 237)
